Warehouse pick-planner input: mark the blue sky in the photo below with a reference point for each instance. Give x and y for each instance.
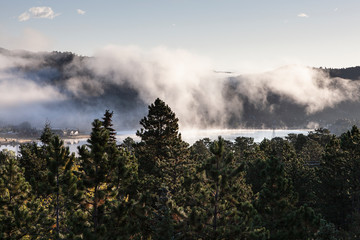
(234, 35)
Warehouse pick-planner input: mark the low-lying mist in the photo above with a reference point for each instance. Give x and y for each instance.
(70, 91)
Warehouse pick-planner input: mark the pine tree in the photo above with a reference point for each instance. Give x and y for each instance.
(277, 205)
(334, 190)
(95, 167)
(129, 144)
(301, 175)
(20, 214)
(126, 212)
(304, 176)
(244, 149)
(350, 144)
(114, 207)
(33, 160)
(125, 220)
(220, 201)
(107, 123)
(47, 134)
(162, 153)
(164, 164)
(62, 185)
(124, 175)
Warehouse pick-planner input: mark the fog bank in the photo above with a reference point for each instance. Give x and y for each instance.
(71, 91)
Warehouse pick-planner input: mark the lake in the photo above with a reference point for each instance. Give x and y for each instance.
(191, 136)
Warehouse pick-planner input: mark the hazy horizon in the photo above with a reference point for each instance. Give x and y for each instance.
(240, 36)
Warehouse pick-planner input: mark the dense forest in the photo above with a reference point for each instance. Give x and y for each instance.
(300, 187)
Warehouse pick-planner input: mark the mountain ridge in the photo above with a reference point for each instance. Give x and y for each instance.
(88, 93)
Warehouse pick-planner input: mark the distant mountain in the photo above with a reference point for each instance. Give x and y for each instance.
(82, 102)
(83, 94)
(281, 111)
(352, 73)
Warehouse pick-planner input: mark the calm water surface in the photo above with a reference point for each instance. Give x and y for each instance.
(192, 136)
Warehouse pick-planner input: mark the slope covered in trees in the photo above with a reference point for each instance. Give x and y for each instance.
(300, 187)
(82, 93)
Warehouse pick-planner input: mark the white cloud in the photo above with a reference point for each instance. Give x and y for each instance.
(30, 92)
(38, 12)
(311, 88)
(81, 12)
(188, 84)
(303, 15)
(176, 76)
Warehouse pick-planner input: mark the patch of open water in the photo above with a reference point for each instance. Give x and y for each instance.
(191, 136)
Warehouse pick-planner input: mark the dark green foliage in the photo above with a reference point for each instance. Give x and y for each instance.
(348, 73)
(20, 213)
(124, 220)
(46, 134)
(200, 150)
(245, 150)
(298, 164)
(333, 190)
(339, 179)
(162, 154)
(321, 135)
(219, 203)
(303, 172)
(95, 168)
(14, 192)
(164, 164)
(277, 205)
(62, 186)
(255, 174)
(163, 224)
(33, 158)
(107, 123)
(128, 144)
(213, 190)
(109, 176)
(327, 231)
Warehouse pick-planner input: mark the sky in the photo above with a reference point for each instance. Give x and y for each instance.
(234, 35)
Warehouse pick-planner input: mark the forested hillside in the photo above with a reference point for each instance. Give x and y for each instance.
(300, 187)
(71, 90)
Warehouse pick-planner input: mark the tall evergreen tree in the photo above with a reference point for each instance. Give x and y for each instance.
(33, 158)
(62, 185)
(21, 215)
(220, 201)
(350, 144)
(109, 175)
(164, 164)
(129, 144)
(162, 153)
(94, 164)
(114, 208)
(333, 190)
(299, 172)
(47, 134)
(107, 123)
(277, 205)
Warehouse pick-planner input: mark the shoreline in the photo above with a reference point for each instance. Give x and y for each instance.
(188, 135)
(6, 139)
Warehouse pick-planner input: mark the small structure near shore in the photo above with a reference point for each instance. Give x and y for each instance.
(65, 132)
